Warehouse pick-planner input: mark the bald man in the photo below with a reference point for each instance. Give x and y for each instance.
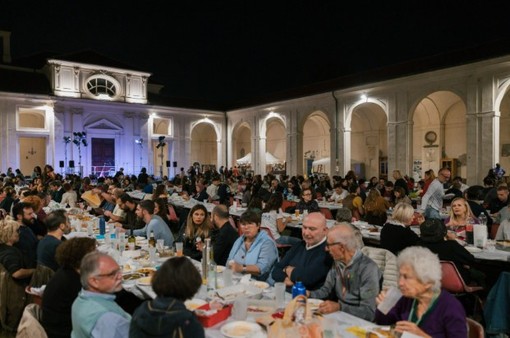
(308, 260)
(354, 277)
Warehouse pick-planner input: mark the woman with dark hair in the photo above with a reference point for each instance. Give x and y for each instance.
(161, 208)
(254, 252)
(198, 225)
(160, 192)
(433, 236)
(166, 315)
(63, 288)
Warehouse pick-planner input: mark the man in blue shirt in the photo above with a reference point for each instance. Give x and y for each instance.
(153, 223)
(94, 312)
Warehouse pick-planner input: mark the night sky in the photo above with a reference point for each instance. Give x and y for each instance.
(232, 51)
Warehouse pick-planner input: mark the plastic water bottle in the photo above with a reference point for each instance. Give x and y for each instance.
(298, 289)
(102, 226)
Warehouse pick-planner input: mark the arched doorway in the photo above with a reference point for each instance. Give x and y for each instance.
(504, 135)
(316, 143)
(241, 144)
(204, 148)
(439, 134)
(369, 141)
(276, 145)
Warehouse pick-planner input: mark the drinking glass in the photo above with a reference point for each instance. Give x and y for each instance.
(279, 294)
(178, 249)
(240, 309)
(160, 245)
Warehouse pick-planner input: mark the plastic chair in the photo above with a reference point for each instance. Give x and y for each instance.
(475, 329)
(453, 282)
(327, 213)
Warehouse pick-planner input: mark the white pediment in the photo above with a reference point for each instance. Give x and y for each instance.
(103, 124)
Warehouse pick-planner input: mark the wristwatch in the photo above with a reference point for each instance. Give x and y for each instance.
(244, 268)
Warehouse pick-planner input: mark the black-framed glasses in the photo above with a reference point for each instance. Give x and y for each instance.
(328, 245)
(112, 274)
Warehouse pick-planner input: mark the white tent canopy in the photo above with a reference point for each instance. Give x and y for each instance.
(323, 161)
(270, 159)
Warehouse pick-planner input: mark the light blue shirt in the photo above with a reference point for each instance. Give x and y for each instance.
(160, 229)
(263, 253)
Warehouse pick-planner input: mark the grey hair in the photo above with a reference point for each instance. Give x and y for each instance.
(90, 266)
(345, 234)
(344, 215)
(403, 212)
(425, 263)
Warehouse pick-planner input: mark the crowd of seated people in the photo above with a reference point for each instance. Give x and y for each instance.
(338, 272)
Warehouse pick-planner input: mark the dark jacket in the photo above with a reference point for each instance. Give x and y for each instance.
(164, 317)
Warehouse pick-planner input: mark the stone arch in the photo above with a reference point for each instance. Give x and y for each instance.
(275, 133)
(441, 113)
(241, 140)
(502, 121)
(204, 135)
(367, 121)
(316, 129)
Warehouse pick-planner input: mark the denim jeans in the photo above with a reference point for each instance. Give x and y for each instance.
(432, 213)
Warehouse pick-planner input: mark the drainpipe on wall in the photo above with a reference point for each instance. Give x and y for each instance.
(335, 121)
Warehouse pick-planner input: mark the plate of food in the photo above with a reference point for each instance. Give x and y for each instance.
(259, 284)
(131, 276)
(195, 303)
(473, 249)
(313, 304)
(240, 329)
(146, 271)
(146, 281)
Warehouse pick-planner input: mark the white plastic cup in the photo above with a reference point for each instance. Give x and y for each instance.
(279, 294)
(160, 244)
(240, 309)
(227, 277)
(393, 294)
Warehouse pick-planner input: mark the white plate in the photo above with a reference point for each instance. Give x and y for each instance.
(192, 304)
(259, 284)
(473, 249)
(144, 281)
(240, 329)
(313, 303)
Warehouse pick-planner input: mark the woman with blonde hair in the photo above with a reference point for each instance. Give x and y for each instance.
(396, 234)
(17, 277)
(196, 229)
(460, 215)
(376, 207)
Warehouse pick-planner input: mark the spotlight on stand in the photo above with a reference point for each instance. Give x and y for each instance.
(161, 143)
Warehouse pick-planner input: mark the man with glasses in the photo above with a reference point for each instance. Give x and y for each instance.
(354, 277)
(94, 312)
(432, 201)
(308, 260)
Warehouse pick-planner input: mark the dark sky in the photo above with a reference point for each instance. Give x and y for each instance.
(231, 51)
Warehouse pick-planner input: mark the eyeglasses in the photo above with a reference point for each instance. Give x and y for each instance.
(328, 245)
(114, 273)
(307, 194)
(248, 225)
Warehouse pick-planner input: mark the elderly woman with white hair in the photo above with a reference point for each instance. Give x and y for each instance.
(424, 310)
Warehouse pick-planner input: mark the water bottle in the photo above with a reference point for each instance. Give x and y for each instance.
(102, 226)
(298, 289)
